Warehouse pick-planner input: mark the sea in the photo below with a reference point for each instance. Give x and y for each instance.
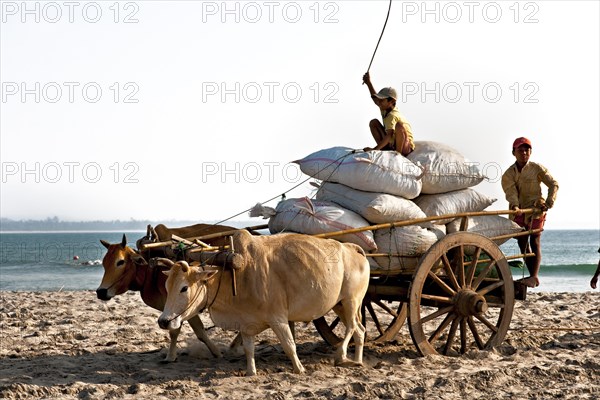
(59, 261)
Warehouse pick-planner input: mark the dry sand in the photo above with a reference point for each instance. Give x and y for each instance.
(71, 345)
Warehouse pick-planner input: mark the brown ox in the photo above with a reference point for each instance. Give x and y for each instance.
(125, 269)
(281, 278)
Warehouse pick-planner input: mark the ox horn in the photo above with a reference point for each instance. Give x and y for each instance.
(164, 261)
(105, 243)
(124, 241)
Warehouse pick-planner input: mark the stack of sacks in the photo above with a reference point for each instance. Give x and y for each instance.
(379, 187)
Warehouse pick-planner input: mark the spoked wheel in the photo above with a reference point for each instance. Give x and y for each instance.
(468, 303)
(386, 317)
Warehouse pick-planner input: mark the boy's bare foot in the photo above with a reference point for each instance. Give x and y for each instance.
(531, 282)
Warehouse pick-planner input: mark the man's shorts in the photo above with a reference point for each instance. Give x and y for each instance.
(530, 223)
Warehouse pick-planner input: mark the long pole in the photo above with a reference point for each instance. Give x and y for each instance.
(380, 36)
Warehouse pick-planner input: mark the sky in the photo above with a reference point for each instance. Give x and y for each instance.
(194, 110)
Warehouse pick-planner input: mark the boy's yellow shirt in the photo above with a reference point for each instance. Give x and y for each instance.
(390, 119)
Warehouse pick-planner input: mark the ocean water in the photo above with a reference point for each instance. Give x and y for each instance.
(44, 261)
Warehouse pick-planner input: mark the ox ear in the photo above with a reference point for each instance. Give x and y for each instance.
(105, 243)
(124, 241)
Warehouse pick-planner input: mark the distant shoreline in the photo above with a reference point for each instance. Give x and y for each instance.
(54, 225)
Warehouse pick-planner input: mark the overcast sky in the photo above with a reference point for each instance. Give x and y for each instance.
(193, 110)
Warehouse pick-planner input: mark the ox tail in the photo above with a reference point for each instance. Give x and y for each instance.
(357, 248)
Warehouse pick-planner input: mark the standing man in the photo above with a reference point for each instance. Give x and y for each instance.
(394, 133)
(521, 183)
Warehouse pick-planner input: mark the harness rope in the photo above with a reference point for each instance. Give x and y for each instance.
(123, 277)
(198, 295)
(339, 164)
(293, 187)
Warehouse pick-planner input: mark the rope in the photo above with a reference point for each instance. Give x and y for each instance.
(383, 30)
(339, 164)
(197, 294)
(294, 187)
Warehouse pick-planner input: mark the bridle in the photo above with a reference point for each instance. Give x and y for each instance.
(123, 277)
(206, 305)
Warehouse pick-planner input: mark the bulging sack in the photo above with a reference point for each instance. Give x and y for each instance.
(460, 201)
(407, 241)
(446, 169)
(373, 171)
(314, 217)
(377, 208)
(488, 226)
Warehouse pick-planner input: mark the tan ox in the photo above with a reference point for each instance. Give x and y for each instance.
(125, 269)
(285, 277)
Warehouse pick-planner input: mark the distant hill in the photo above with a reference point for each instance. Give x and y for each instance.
(55, 224)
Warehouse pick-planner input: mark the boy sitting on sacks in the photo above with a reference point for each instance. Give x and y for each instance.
(394, 133)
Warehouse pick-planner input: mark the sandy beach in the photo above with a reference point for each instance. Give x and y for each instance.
(70, 345)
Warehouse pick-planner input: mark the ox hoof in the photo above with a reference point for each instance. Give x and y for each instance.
(347, 363)
(168, 361)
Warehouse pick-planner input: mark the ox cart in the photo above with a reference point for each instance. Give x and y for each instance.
(457, 296)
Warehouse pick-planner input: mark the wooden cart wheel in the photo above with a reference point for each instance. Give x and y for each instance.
(386, 317)
(457, 302)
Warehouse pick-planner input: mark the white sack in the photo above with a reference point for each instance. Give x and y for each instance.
(377, 208)
(466, 200)
(439, 230)
(405, 241)
(313, 217)
(445, 168)
(488, 226)
(373, 171)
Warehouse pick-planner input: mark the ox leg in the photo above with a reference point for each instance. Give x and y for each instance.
(359, 338)
(351, 318)
(248, 342)
(284, 334)
(198, 327)
(172, 353)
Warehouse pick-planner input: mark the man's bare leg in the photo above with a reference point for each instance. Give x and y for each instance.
(533, 263)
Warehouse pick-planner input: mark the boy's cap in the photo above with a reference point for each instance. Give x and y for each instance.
(387, 92)
(521, 141)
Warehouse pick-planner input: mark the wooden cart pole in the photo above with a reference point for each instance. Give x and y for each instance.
(417, 221)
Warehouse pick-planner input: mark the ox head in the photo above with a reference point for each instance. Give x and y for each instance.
(186, 293)
(120, 264)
